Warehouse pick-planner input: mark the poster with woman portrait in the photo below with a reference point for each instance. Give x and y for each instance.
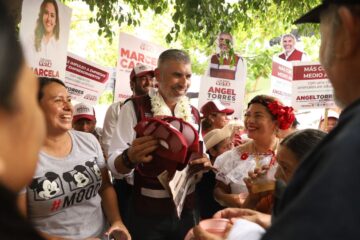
(44, 33)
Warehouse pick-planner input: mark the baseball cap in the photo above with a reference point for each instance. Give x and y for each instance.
(215, 106)
(313, 16)
(141, 70)
(82, 110)
(215, 136)
(331, 114)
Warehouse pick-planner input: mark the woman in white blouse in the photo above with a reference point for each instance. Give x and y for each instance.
(264, 116)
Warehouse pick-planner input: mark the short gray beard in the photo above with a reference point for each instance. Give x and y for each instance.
(338, 102)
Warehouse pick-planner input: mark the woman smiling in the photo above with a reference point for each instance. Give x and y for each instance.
(71, 186)
(264, 116)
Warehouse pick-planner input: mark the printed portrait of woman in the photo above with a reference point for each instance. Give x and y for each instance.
(47, 29)
(44, 33)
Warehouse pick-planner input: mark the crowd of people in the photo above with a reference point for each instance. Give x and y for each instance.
(160, 166)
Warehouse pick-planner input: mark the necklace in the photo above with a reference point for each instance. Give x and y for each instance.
(160, 108)
(259, 155)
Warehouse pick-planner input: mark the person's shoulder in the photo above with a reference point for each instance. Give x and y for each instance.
(298, 52)
(115, 104)
(83, 136)
(136, 99)
(246, 147)
(99, 131)
(239, 58)
(214, 57)
(227, 155)
(227, 161)
(238, 55)
(114, 107)
(194, 108)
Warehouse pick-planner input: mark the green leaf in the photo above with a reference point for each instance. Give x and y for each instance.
(158, 10)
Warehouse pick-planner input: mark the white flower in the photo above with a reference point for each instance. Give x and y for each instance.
(160, 108)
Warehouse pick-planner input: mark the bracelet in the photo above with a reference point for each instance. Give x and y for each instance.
(126, 161)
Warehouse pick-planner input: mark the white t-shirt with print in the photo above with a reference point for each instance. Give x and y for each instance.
(63, 197)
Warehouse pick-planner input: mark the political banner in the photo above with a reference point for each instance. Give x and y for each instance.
(230, 91)
(85, 80)
(44, 33)
(310, 87)
(132, 51)
(281, 80)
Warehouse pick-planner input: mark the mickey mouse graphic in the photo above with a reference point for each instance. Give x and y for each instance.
(47, 187)
(94, 168)
(77, 178)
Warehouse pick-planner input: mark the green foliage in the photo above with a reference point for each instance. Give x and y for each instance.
(193, 25)
(202, 19)
(106, 97)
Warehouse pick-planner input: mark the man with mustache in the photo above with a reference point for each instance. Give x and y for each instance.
(152, 214)
(141, 82)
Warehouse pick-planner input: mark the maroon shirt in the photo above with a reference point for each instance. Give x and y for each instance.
(296, 55)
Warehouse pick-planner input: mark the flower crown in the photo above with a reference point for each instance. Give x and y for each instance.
(284, 114)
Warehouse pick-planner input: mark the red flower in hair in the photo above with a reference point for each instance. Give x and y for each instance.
(284, 114)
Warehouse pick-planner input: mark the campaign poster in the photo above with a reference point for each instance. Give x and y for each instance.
(44, 34)
(231, 93)
(311, 87)
(225, 77)
(281, 80)
(133, 51)
(85, 80)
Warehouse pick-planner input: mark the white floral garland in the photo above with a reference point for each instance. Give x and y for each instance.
(160, 108)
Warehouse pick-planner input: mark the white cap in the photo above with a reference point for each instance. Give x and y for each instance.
(82, 110)
(141, 70)
(331, 114)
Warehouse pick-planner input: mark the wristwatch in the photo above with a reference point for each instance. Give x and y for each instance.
(126, 161)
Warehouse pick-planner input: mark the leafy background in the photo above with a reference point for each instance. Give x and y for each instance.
(193, 25)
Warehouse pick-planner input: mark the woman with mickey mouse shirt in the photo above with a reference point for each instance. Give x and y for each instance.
(71, 186)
